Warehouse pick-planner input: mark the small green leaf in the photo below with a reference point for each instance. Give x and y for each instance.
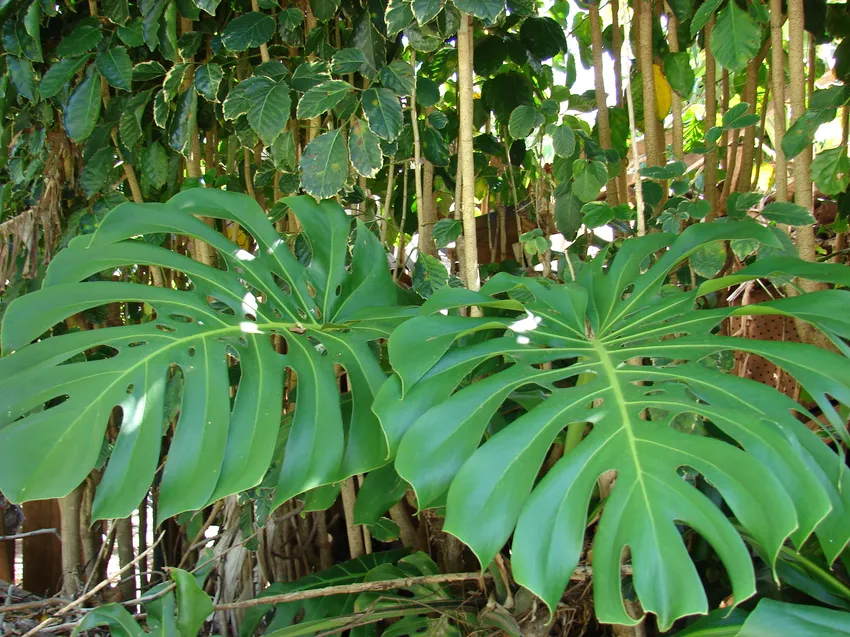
(155, 165)
(703, 15)
(398, 77)
(324, 10)
(523, 120)
(398, 16)
(831, 170)
(790, 214)
(588, 179)
(434, 147)
(207, 80)
(85, 36)
(427, 91)
(322, 98)
(174, 80)
(269, 107)
(708, 259)
(23, 76)
(488, 10)
(662, 173)
(308, 75)
(283, 152)
(383, 111)
(131, 33)
(568, 214)
(193, 604)
(446, 231)
(183, 122)
(83, 109)
(564, 141)
(147, 71)
(115, 65)
(678, 71)
(60, 74)
(426, 10)
(207, 5)
(735, 39)
(350, 61)
(324, 165)
(365, 37)
(364, 149)
(96, 170)
(543, 37)
(597, 214)
(248, 31)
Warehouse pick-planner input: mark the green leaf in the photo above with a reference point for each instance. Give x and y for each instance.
(365, 37)
(426, 10)
(446, 231)
(308, 75)
(131, 33)
(398, 16)
(588, 179)
(219, 447)
(680, 75)
(96, 170)
(83, 109)
(322, 98)
(174, 80)
(60, 74)
(780, 619)
(32, 27)
(398, 77)
(434, 147)
(193, 604)
(429, 275)
(85, 36)
(350, 61)
(324, 10)
(735, 38)
(708, 260)
(788, 213)
(155, 165)
(121, 623)
(427, 91)
(568, 214)
(209, 6)
(114, 64)
(682, 8)
(148, 70)
(423, 38)
(831, 170)
(703, 15)
(543, 37)
(601, 329)
(383, 112)
(23, 76)
(161, 110)
(564, 140)
(208, 78)
(364, 149)
(118, 11)
(183, 122)
(324, 165)
(523, 120)
(283, 151)
(488, 10)
(662, 173)
(248, 31)
(269, 107)
(597, 214)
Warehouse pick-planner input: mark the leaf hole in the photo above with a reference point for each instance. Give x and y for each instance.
(302, 314)
(130, 388)
(251, 318)
(137, 343)
(311, 290)
(165, 328)
(283, 285)
(191, 351)
(338, 290)
(181, 318)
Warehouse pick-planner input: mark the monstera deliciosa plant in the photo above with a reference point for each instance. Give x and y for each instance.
(621, 355)
(319, 306)
(610, 363)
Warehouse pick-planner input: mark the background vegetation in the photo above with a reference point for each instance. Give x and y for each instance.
(426, 317)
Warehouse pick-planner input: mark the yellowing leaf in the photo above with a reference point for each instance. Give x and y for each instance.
(663, 96)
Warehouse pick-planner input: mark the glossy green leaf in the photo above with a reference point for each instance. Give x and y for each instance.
(208, 78)
(322, 98)
(269, 107)
(248, 31)
(365, 37)
(23, 76)
(398, 16)
(543, 37)
(447, 231)
(615, 316)
(183, 123)
(488, 10)
(60, 74)
(324, 165)
(434, 147)
(83, 109)
(398, 77)
(351, 61)
(703, 14)
(193, 604)
(364, 149)
(831, 170)
(324, 10)
(588, 179)
(524, 119)
(780, 619)
(85, 36)
(381, 489)
(383, 111)
(283, 151)
(155, 164)
(564, 141)
(116, 67)
(788, 213)
(96, 170)
(678, 71)
(426, 10)
(121, 623)
(217, 449)
(735, 38)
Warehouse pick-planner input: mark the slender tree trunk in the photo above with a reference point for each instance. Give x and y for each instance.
(676, 99)
(467, 204)
(427, 211)
(645, 59)
(745, 175)
(802, 164)
(69, 507)
(777, 77)
(710, 174)
(124, 539)
(602, 121)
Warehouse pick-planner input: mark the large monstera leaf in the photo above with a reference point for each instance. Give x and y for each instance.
(622, 354)
(221, 445)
